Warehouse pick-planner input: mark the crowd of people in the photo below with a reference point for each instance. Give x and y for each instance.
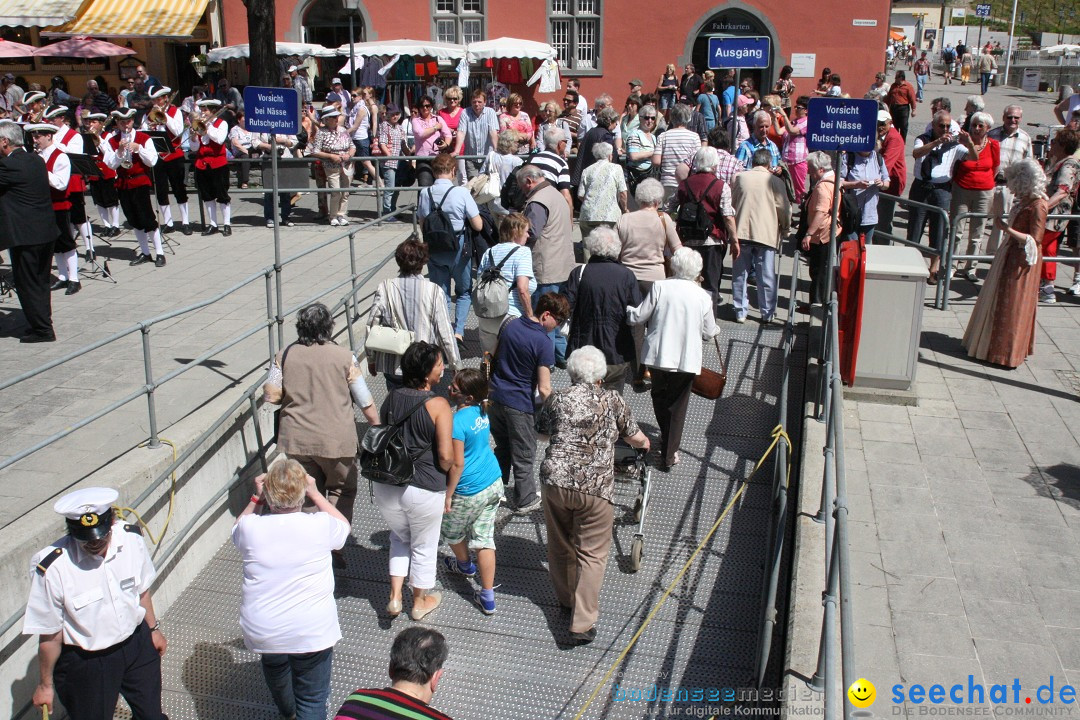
(702, 167)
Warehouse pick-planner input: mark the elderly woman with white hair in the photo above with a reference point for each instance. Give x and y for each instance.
(582, 422)
(647, 235)
(599, 293)
(678, 316)
(287, 609)
(702, 188)
(602, 191)
(973, 184)
(974, 104)
(1002, 325)
(503, 161)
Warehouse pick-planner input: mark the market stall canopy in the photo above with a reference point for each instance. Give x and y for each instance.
(507, 47)
(10, 49)
(418, 48)
(135, 18)
(236, 52)
(1060, 50)
(82, 47)
(37, 13)
(896, 34)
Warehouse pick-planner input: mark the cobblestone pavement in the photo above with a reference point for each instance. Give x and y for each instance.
(197, 269)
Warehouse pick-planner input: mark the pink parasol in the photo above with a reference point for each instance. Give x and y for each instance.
(83, 47)
(10, 49)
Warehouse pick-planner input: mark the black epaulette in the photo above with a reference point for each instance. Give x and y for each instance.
(133, 528)
(48, 560)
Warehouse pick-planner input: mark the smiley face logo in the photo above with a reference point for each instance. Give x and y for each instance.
(862, 693)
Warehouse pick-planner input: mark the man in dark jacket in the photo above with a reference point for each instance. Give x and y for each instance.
(27, 229)
(599, 293)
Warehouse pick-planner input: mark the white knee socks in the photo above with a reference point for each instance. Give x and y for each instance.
(156, 235)
(67, 266)
(226, 213)
(211, 211)
(183, 212)
(141, 237)
(166, 215)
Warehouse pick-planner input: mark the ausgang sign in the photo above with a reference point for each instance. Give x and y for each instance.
(739, 52)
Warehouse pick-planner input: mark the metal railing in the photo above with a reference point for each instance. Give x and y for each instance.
(926, 250)
(274, 317)
(951, 256)
(780, 486)
(833, 512)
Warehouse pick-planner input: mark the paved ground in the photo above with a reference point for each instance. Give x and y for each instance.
(199, 269)
(966, 508)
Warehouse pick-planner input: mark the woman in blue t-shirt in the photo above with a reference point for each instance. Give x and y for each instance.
(709, 105)
(473, 489)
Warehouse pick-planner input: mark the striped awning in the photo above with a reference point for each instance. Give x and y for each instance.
(38, 13)
(136, 18)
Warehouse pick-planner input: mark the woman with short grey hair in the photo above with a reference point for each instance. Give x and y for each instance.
(503, 161)
(713, 195)
(678, 316)
(646, 235)
(583, 423)
(819, 160)
(606, 120)
(974, 180)
(602, 191)
(640, 144)
(599, 293)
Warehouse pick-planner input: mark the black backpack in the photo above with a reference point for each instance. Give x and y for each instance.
(383, 455)
(512, 196)
(437, 230)
(693, 222)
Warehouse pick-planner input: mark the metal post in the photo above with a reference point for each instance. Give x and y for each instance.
(1009, 50)
(149, 375)
(833, 223)
(847, 620)
(270, 316)
(258, 431)
(352, 56)
(982, 21)
(277, 240)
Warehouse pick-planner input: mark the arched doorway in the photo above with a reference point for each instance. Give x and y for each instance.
(326, 22)
(737, 22)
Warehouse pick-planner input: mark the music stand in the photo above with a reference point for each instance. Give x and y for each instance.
(86, 165)
(161, 144)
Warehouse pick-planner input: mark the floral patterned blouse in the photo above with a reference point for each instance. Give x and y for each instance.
(1066, 176)
(332, 142)
(584, 421)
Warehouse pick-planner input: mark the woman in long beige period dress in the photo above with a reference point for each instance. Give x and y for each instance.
(1002, 325)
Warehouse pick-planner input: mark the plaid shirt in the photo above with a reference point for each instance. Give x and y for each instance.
(728, 167)
(795, 145)
(391, 138)
(746, 151)
(1014, 147)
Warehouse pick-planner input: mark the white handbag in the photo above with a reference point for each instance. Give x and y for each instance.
(486, 187)
(391, 340)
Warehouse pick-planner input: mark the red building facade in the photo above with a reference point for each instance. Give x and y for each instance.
(607, 42)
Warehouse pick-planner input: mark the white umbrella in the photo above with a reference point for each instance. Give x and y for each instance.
(237, 52)
(507, 47)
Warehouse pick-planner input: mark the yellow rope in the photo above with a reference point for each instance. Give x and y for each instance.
(172, 500)
(777, 433)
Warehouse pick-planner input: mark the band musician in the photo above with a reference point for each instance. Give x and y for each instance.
(71, 142)
(103, 189)
(33, 107)
(132, 155)
(211, 171)
(169, 172)
(59, 167)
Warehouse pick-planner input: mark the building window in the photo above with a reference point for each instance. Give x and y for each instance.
(458, 21)
(574, 32)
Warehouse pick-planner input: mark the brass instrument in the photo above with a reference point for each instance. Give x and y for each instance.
(156, 116)
(124, 150)
(199, 125)
(96, 138)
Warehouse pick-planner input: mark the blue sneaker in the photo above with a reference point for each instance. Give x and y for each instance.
(486, 606)
(453, 566)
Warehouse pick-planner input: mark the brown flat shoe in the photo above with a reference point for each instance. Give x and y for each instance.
(417, 614)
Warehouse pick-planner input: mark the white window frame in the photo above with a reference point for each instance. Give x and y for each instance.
(574, 20)
(458, 17)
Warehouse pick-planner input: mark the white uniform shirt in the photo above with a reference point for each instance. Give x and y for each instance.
(145, 152)
(74, 146)
(216, 130)
(60, 175)
(94, 600)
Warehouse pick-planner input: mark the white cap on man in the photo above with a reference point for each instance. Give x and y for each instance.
(88, 512)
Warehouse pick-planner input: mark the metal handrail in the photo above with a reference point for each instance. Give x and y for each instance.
(951, 256)
(924, 249)
(778, 521)
(144, 327)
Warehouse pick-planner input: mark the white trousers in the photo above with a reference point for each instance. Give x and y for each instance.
(415, 519)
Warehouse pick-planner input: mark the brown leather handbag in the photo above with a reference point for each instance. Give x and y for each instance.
(709, 384)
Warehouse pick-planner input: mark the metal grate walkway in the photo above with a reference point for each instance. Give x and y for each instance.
(515, 664)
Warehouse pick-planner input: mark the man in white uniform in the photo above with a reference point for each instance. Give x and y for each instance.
(90, 606)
